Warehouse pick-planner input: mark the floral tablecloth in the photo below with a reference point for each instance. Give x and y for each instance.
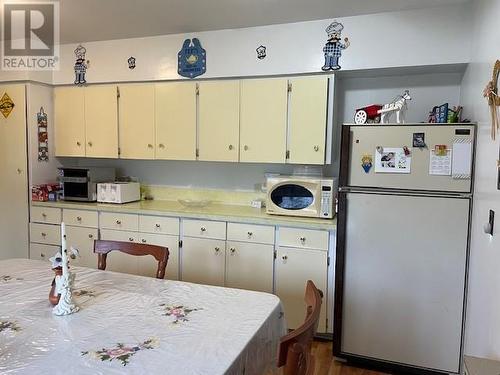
(133, 325)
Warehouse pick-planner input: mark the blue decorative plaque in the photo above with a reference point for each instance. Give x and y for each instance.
(192, 59)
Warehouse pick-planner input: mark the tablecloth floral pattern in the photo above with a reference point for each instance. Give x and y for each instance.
(134, 324)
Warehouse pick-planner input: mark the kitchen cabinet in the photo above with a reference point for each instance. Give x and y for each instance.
(307, 120)
(148, 264)
(263, 121)
(293, 268)
(249, 266)
(69, 117)
(137, 121)
(219, 120)
(203, 261)
(86, 121)
(101, 121)
(82, 239)
(175, 119)
(42, 252)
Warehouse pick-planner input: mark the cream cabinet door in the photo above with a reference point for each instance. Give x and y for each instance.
(43, 252)
(101, 121)
(203, 261)
(263, 111)
(175, 117)
(116, 260)
(82, 239)
(148, 265)
(69, 120)
(249, 266)
(137, 121)
(307, 121)
(219, 120)
(293, 268)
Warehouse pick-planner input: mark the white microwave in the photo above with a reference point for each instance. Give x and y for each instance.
(301, 196)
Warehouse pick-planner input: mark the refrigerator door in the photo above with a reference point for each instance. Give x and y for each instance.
(364, 139)
(404, 279)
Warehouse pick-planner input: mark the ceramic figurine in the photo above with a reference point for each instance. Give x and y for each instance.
(53, 295)
(398, 106)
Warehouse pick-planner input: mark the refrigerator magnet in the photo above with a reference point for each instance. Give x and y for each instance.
(407, 151)
(419, 140)
(367, 162)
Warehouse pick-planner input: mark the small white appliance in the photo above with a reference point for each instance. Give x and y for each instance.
(118, 192)
(301, 196)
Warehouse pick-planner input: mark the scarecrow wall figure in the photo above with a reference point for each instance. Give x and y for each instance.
(333, 47)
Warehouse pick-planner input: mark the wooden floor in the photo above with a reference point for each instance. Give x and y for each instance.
(325, 365)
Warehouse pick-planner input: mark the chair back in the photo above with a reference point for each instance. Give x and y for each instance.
(295, 348)
(102, 248)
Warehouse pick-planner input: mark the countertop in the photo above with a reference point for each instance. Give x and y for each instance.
(223, 212)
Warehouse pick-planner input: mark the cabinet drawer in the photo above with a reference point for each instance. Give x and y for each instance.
(111, 220)
(81, 218)
(303, 238)
(204, 229)
(47, 215)
(250, 233)
(40, 251)
(119, 235)
(159, 225)
(45, 233)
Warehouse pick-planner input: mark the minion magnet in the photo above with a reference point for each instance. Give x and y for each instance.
(367, 162)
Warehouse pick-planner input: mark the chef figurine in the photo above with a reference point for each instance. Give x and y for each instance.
(333, 47)
(80, 66)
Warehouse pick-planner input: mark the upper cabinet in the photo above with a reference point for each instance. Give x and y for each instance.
(269, 120)
(86, 121)
(263, 120)
(101, 119)
(69, 106)
(219, 120)
(307, 120)
(137, 121)
(175, 119)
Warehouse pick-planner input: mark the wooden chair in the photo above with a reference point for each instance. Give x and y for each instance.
(294, 352)
(102, 248)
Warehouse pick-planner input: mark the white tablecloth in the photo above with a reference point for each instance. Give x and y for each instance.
(134, 325)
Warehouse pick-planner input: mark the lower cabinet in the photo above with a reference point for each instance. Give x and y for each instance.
(249, 266)
(82, 239)
(203, 261)
(149, 265)
(39, 251)
(293, 268)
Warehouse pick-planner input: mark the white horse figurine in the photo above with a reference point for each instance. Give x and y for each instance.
(398, 106)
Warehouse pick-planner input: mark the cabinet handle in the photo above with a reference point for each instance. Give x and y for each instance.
(131, 239)
(250, 234)
(316, 148)
(118, 222)
(157, 225)
(43, 234)
(44, 215)
(284, 257)
(245, 148)
(143, 240)
(90, 144)
(42, 255)
(217, 250)
(78, 218)
(302, 239)
(91, 236)
(78, 144)
(232, 250)
(161, 145)
(203, 229)
(150, 145)
(230, 147)
(19, 170)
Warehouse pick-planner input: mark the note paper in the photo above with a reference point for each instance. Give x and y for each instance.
(462, 159)
(440, 165)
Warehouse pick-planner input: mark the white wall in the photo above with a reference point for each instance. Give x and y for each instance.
(483, 320)
(419, 37)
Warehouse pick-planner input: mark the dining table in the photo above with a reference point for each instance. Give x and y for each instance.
(130, 324)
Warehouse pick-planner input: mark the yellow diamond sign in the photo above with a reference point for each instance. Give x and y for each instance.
(6, 105)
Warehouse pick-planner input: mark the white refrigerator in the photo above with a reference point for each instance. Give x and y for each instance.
(405, 200)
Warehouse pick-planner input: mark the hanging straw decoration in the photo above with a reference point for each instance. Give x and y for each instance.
(491, 93)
